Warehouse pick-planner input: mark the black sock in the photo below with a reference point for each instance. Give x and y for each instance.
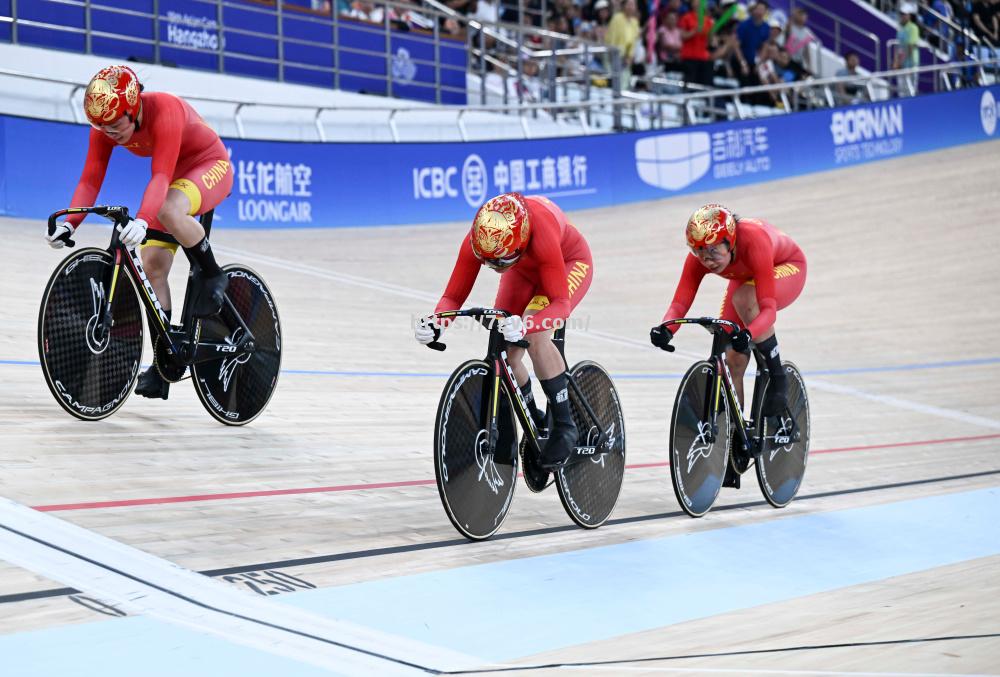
(558, 395)
(769, 349)
(203, 256)
(529, 400)
(527, 394)
(152, 327)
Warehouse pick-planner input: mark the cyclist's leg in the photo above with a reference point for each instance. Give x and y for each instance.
(789, 279)
(157, 258)
(737, 361)
(551, 367)
(195, 192)
(514, 294)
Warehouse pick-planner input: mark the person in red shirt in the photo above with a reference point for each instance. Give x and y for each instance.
(191, 174)
(695, 58)
(546, 269)
(766, 272)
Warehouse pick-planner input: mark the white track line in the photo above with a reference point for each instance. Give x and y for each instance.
(758, 671)
(141, 583)
(606, 337)
(899, 403)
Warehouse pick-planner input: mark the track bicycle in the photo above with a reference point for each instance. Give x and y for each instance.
(712, 444)
(476, 448)
(90, 332)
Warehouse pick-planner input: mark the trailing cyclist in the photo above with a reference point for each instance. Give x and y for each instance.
(766, 272)
(546, 269)
(191, 175)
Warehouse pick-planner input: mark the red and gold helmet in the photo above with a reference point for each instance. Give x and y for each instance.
(710, 225)
(112, 93)
(501, 231)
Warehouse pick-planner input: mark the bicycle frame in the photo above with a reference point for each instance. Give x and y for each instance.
(750, 430)
(183, 343)
(503, 379)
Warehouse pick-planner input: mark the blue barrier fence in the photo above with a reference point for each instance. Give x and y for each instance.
(242, 37)
(282, 184)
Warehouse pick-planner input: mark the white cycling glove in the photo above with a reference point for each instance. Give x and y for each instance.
(512, 328)
(63, 231)
(427, 330)
(133, 233)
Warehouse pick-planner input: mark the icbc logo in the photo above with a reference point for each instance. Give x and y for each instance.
(434, 183)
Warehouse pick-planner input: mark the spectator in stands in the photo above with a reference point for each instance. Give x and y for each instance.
(321, 6)
(944, 36)
(752, 33)
(695, 57)
(464, 7)
(767, 74)
(411, 18)
(787, 68)
(365, 10)
(668, 43)
(984, 22)
(623, 31)
(849, 92)
(487, 11)
(908, 50)
(777, 29)
(798, 36)
(602, 17)
(529, 89)
(728, 54)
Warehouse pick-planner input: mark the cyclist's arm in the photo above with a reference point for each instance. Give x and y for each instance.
(168, 127)
(552, 278)
(462, 278)
(94, 170)
(687, 287)
(761, 262)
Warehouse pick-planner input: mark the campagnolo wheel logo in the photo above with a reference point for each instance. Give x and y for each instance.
(700, 447)
(97, 343)
(484, 460)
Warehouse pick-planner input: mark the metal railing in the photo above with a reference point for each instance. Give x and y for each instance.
(284, 17)
(563, 61)
(631, 111)
(837, 37)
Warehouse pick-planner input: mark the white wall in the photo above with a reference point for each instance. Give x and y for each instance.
(34, 98)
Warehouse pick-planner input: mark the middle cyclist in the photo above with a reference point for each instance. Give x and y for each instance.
(546, 268)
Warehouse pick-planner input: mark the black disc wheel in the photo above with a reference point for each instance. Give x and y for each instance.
(90, 365)
(475, 479)
(590, 483)
(785, 450)
(236, 387)
(699, 440)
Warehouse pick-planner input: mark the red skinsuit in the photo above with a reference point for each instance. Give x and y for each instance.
(556, 264)
(181, 145)
(764, 257)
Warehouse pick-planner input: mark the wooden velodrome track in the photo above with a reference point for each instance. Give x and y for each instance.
(896, 333)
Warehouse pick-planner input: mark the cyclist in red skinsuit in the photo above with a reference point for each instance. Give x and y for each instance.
(766, 272)
(191, 174)
(546, 269)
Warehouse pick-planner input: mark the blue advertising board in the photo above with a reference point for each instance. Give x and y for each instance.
(284, 184)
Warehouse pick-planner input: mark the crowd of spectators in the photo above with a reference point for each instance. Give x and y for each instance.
(740, 42)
